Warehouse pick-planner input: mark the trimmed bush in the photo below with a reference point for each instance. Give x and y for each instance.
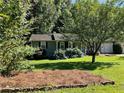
(60, 54)
(73, 53)
(117, 49)
(68, 53)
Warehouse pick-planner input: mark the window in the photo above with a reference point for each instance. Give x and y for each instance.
(70, 45)
(62, 45)
(35, 44)
(43, 45)
(75, 45)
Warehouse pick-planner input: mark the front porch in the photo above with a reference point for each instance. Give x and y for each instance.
(51, 46)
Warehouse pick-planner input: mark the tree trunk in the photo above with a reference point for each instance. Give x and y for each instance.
(93, 58)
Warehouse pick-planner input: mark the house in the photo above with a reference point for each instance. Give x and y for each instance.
(52, 42)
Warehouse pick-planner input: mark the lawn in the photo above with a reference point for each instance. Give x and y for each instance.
(110, 67)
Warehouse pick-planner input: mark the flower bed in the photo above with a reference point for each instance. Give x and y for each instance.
(48, 79)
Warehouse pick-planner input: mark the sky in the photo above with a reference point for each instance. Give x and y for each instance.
(99, 0)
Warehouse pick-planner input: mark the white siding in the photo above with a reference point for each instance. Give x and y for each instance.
(106, 48)
(122, 45)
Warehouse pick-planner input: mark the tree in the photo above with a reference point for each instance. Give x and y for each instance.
(65, 14)
(47, 14)
(13, 30)
(95, 23)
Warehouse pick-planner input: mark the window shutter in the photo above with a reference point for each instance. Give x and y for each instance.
(66, 44)
(46, 45)
(39, 43)
(58, 45)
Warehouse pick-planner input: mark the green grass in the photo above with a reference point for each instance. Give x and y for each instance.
(110, 67)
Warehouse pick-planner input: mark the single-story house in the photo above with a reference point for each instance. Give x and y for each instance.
(52, 42)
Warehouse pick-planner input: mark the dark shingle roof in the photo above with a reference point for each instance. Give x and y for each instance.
(51, 37)
(40, 37)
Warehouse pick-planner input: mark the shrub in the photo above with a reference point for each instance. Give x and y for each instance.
(117, 49)
(60, 54)
(77, 52)
(73, 52)
(11, 60)
(69, 52)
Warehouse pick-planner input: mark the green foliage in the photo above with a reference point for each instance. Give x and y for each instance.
(94, 23)
(68, 53)
(64, 16)
(25, 66)
(59, 54)
(73, 52)
(11, 58)
(117, 49)
(46, 14)
(13, 31)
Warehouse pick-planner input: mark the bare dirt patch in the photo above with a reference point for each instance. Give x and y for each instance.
(51, 79)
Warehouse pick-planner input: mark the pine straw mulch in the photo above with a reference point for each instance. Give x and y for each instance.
(51, 79)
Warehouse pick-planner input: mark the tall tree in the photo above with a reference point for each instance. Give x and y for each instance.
(65, 14)
(13, 29)
(95, 23)
(47, 14)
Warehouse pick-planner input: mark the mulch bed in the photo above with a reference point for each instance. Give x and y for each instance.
(49, 79)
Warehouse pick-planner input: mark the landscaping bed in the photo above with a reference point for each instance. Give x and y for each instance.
(51, 79)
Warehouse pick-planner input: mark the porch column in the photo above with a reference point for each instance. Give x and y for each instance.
(71, 44)
(56, 45)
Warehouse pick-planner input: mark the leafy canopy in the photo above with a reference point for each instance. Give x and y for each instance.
(13, 31)
(96, 23)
